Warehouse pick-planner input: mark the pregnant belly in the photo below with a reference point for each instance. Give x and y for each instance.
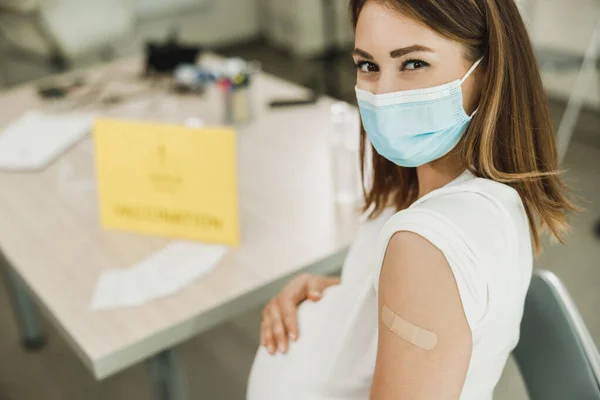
(305, 370)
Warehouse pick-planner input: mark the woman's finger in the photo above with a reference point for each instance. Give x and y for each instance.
(290, 318)
(266, 311)
(263, 329)
(266, 335)
(278, 327)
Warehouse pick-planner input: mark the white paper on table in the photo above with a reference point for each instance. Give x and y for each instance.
(109, 290)
(162, 274)
(35, 139)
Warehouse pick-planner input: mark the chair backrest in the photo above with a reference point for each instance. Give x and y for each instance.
(556, 354)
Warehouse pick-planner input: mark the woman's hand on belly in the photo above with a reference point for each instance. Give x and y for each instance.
(279, 320)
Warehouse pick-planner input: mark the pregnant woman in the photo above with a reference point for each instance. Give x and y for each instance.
(463, 177)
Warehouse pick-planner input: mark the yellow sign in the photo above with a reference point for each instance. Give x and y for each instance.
(168, 180)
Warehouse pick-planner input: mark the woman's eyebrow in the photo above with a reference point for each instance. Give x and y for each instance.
(362, 53)
(405, 50)
(394, 53)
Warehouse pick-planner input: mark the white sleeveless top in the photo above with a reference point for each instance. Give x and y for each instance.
(482, 229)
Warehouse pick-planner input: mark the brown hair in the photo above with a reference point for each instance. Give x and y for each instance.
(510, 139)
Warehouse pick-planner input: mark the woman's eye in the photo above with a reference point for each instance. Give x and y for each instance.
(366, 67)
(410, 65)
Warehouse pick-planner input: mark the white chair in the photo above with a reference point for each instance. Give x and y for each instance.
(85, 27)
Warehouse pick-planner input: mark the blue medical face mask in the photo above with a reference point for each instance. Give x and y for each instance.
(414, 127)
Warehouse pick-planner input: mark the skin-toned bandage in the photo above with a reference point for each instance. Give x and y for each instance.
(411, 333)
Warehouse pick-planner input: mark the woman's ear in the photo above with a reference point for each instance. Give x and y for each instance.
(483, 74)
(476, 87)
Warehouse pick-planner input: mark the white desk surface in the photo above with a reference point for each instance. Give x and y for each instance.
(50, 228)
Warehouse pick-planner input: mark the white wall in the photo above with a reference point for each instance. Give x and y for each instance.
(297, 25)
(565, 26)
(204, 22)
(146, 8)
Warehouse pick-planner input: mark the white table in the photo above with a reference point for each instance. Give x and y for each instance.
(56, 249)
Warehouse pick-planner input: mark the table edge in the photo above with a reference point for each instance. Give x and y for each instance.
(128, 356)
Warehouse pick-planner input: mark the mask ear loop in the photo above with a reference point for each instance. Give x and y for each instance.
(475, 64)
(470, 70)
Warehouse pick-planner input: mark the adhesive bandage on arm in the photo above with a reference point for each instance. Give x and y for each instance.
(418, 336)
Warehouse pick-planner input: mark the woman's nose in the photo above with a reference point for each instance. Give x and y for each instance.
(387, 83)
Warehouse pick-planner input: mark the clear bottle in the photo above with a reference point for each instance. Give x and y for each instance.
(344, 154)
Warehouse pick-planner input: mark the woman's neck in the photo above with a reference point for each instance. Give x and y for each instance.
(433, 176)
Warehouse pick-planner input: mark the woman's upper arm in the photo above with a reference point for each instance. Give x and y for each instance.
(418, 285)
